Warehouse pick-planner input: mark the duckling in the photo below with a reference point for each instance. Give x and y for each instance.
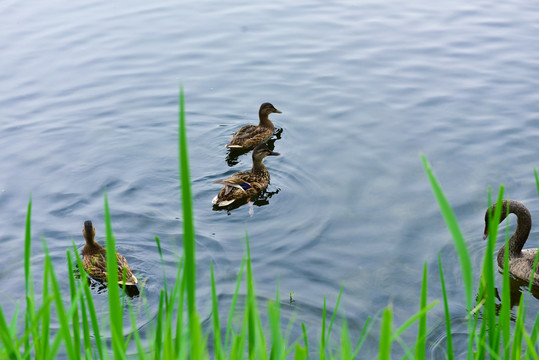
(245, 184)
(94, 259)
(249, 136)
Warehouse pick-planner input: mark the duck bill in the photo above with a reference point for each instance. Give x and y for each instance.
(273, 153)
(277, 111)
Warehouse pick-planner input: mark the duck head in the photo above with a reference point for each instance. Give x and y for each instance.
(266, 109)
(89, 232)
(490, 213)
(261, 151)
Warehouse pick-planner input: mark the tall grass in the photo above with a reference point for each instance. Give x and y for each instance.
(491, 332)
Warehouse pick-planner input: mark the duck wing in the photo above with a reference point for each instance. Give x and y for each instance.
(249, 136)
(130, 279)
(245, 132)
(240, 180)
(96, 266)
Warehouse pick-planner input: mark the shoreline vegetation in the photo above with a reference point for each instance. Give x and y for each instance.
(177, 331)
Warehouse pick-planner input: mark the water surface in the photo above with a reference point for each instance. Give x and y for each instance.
(89, 99)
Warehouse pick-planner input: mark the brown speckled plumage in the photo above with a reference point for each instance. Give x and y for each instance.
(245, 184)
(250, 136)
(94, 259)
(520, 261)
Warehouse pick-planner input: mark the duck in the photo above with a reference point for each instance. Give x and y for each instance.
(94, 259)
(250, 136)
(245, 184)
(520, 260)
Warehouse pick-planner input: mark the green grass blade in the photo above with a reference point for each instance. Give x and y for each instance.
(452, 224)
(346, 347)
(60, 310)
(115, 310)
(518, 331)
(162, 266)
(334, 315)
(28, 283)
(158, 340)
(363, 335)
(449, 337)
(7, 338)
(535, 329)
(421, 344)
(218, 346)
(187, 206)
(305, 340)
(489, 328)
(385, 335)
(323, 335)
(188, 224)
(413, 319)
(73, 292)
(91, 307)
(250, 304)
(460, 245)
(301, 353)
(138, 341)
(233, 304)
(274, 317)
(530, 349)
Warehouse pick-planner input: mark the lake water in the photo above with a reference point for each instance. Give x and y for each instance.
(89, 103)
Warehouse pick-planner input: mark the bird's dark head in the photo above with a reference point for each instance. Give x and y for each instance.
(88, 231)
(267, 108)
(489, 214)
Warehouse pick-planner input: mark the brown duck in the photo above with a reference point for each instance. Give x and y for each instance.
(249, 136)
(245, 184)
(94, 259)
(520, 261)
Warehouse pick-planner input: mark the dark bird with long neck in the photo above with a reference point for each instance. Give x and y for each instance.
(94, 259)
(520, 261)
(245, 184)
(250, 136)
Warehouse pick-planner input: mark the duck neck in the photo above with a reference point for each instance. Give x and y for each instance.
(265, 121)
(259, 168)
(92, 247)
(519, 237)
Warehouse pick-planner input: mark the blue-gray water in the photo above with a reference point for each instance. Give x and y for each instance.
(89, 102)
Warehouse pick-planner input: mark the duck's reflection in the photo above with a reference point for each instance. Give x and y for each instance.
(516, 288)
(233, 154)
(261, 199)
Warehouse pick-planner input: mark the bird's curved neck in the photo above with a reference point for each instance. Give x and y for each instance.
(519, 237)
(259, 167)
(265, 121)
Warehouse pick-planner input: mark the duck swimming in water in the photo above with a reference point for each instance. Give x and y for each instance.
(245, 184)
(250, 136)
(94, 259)
(520, 261)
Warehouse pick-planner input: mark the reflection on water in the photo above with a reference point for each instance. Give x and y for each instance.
(261, 199)
(517, 288)
(233, 154)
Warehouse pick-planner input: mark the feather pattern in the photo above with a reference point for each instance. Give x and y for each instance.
(250, 136)
(94, 259)
(245, 184)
